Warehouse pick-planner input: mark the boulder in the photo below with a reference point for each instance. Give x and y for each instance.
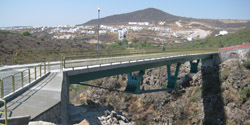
(84, 122)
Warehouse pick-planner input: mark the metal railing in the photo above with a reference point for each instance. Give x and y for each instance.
(73, 62)
(12, 83)
(4, 112)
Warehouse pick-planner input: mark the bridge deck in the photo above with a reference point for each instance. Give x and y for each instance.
(37, 99)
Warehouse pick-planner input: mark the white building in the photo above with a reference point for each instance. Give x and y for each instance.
(132, 23)
(122, 34)
(91, 32)
(63, 37)
(139, 23)
(162, 22)
(102, 31)
(222, 33)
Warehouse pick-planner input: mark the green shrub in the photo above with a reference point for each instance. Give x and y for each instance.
(247, 64)
(144, 101)
(245, 93)
(112, 99)
(197, 95)
(26, 33)
(5, 32)
(195, 112)
(141, 122)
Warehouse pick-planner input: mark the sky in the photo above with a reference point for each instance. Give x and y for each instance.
(73, 12)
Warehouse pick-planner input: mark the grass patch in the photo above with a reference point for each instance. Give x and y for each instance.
(197, 95)
(141, 122)
(112, 99)
(245, 93)
(195, 112)
(236, 38)
(164, 84)
(144, 101)
(247, 64)
(5, 32)
(79, 87)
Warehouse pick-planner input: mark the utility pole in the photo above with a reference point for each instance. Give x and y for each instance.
(163, 46)
(98, 9)
(163, 43)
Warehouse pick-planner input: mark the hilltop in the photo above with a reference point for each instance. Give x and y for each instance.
(146, 15)
(153, 15)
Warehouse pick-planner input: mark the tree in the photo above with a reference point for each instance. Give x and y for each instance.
(135, 40)
(125, 42)
(26, 33)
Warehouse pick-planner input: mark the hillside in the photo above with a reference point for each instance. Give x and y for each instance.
(146, 15)
(40, 47)
(237, 38)
(154, 15)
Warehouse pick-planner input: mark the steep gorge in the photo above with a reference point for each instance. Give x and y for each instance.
(217, 94)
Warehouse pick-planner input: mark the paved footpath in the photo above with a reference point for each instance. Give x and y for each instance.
(37, 99)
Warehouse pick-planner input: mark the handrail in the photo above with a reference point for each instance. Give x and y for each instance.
(69, 63)
(4, 112)
(18, 80)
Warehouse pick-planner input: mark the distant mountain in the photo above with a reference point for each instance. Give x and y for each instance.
(146, 15)
(155, 15)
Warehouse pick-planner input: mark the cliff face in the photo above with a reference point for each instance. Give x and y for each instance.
(217, 94)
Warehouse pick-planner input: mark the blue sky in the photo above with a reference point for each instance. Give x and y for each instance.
(71, 12)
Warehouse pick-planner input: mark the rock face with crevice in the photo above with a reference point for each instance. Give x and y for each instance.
(216, 94)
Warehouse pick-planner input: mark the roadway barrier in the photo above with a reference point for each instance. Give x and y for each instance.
(73, 62)
(234, 47)
(12, 83)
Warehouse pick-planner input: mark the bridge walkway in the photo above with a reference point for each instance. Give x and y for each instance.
(37, 99)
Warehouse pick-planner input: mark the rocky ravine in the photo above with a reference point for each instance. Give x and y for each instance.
(217, 94)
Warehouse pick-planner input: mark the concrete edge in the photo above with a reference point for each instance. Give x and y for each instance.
(17, 120)
(20, 91)
(36, 118)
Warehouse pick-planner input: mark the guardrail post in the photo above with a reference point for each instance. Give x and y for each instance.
(44, 67)
(48, 66)
(61, 65)
(13, 83)
(5, 113)
(35, 72)
(40, 70)
(29, 75)
(64, 59)
(1, 85)
(22, 79)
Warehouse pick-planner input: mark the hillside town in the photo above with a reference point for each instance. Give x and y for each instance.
(177, 32)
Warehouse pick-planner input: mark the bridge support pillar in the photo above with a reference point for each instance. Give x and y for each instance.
(194, 66)
(65, 100)
(134, 82)
(172, 79)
